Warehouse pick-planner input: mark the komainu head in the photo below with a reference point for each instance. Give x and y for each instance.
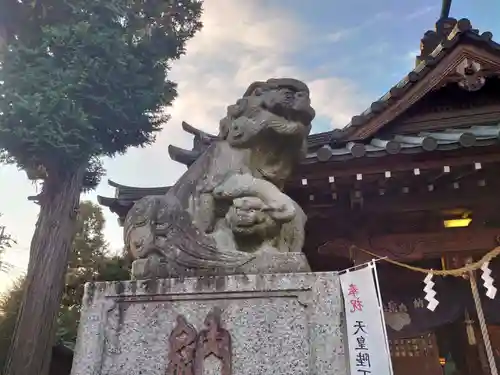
(278, 109)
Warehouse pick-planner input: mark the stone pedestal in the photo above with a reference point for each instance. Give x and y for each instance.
(229, 325)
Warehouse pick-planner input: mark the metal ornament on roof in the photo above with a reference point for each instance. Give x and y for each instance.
(430, 293)
(471, 77)
(491, 291)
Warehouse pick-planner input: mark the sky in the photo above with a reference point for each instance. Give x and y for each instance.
(348, 52)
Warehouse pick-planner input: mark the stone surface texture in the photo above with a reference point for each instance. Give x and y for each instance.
(229, 207)
(262, 263)
(279, 324)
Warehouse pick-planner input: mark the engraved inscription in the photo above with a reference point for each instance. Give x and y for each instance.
(182, 344)
(213, 341)
(189, 349)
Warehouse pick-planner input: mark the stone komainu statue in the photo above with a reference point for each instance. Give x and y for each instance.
(228, 209)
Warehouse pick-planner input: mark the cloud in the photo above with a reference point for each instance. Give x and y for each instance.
(395, 18)
(333, 99)
(19, 217)
(337, 36)
(411, 55)
(261, 42)
(242, 41)
(345, 33)
(421, 12)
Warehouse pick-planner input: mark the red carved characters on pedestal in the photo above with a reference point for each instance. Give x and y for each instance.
(216, 341)
(189, 349)
(182, 342)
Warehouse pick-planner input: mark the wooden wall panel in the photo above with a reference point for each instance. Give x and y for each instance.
(415, 356)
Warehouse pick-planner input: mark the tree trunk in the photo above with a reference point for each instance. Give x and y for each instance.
(31, 348)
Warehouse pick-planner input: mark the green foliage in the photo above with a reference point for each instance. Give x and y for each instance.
(101, 268)
(6, 241)
(9, 306)
(86, 78)
(79, 79)
(89, 261)
(93, 174)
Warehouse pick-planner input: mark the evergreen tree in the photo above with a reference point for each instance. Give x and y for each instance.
(80, 79)
(89, 261)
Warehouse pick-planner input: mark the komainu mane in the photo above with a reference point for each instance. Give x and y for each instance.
(228, 209)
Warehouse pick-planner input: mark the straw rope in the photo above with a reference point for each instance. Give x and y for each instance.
(482, 324)
(458, 272)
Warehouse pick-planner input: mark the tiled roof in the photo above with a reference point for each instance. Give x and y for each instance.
(324, 138)
(126, 196)
(336, 145)
(324, 146)
(462, 30)
(448, 139)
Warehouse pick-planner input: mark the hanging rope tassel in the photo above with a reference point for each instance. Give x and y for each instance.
(469, 329)
(482, 323)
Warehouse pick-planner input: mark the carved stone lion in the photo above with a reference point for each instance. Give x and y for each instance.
(228, 209)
